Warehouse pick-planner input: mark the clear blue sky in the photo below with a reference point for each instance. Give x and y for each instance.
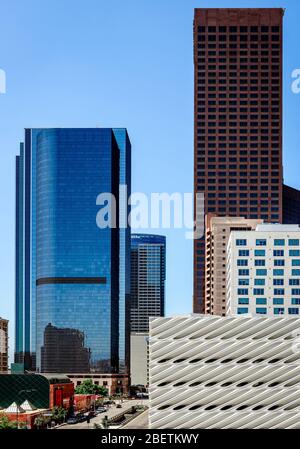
(117, 63)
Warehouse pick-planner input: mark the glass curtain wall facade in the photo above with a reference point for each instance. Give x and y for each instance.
(72, 278)
(148, 274)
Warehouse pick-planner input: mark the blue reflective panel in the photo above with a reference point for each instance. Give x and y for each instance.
(295, 272)
(294, 282)
(258, 291)
(279, 291)
(278, 272)
(260, 252)
(294, 252)
(243, 300)
(243, 281)
(242, 310)
(242, 291)
(259, 282)
(242, 262)
(260, 262)
(261, 272)
(261, 310)
(293, 310)
(293, 242)
(278, 253)
(279, 242)
(278, 281)
(296, 291)
(279, 263)
(244, 252)
(261, 301)
(278, 301)
(296, 301)
(243, 272)
(261, 242)
(296, 262)
(278, 311)
(241, 242)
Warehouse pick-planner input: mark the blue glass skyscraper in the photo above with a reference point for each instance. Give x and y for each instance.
(72, 278)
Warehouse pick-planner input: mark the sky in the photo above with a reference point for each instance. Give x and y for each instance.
(117, 63)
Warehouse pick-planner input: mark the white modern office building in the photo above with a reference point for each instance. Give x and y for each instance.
(224, 372)
(263, 271)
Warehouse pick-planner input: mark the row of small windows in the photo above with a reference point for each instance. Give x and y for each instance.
(262, 262)
(264, 272)
(276, 252)
(276, 281)
(263, 301)
(241, 38)
(263, 242)
(263, 310)
(261, 291)
(241, 29)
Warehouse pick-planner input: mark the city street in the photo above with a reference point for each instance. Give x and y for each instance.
(111, 412)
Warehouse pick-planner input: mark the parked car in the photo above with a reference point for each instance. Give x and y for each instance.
(119, 406)
(72, 420)
(101, 410)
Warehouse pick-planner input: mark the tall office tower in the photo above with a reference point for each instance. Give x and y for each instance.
(72, 272)
(148, 274)
(217, 372)
(263, 271)
(291, 205)
(3, 345)
(218, 230)
(238, 118)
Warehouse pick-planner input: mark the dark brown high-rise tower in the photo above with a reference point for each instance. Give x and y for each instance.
(238, 118)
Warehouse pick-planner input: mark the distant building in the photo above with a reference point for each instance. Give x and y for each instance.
(216, 239)
(148, 275)
(70, 271)
(263, 271)
(291, 205)
(139, 362)
(238, 118)
(224, 372)
(3, 345)
(114, 383)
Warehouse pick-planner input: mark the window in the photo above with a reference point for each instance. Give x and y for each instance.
(259, 282)
(278, 272)
(241, 242)
(279, 242)
(295, 272)
(296, 301)
(242, 310)
(243, 281)
(278, 281)
(293, 311)
(261, 301)
(243, 272)
(259, 252)
(279, 291)
(260, 262)
(294, 282)
(243, 252)
(278, 253)
(293, 242)
(243, 300)
(278, 311)
(242, 291)
(296, 262)
(296, 291)
(294, 252)
(261, 310)
(278, 301)
(261, 242)
(258, 291)
(261, 272)
(279, 263)
(242, 262)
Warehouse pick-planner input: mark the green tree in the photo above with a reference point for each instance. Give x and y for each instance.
(41, 421)
(58, 414)
(88, 387)
(5, 423)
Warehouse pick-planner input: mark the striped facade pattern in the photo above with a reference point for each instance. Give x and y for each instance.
(224, 372)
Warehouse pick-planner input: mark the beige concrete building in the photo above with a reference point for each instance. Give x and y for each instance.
(114, 383)
(3, 345)
(139, 358)
(216, 239)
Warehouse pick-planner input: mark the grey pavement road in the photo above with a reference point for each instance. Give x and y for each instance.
(140, 422)
(112, 411)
